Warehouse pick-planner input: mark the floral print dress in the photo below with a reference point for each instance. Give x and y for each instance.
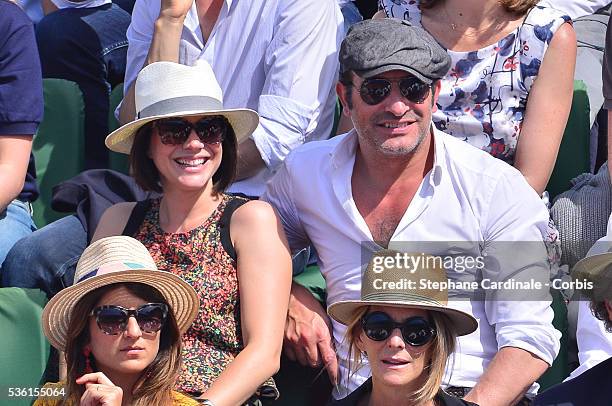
(484, 95)
(198, 256)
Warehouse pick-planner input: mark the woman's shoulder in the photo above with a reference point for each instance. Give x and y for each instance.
(251, 211)
(178, 399)
(545, 20)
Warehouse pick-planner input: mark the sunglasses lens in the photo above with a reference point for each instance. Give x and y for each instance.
(373, 91)
(111, 320)
(151, 317)
(417, 331)
(377, 326)
(414, 90)
(173, 131)
(212, 130)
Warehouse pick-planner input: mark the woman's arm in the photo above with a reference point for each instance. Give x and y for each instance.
(113, 220)
(264, 281)
(163, 39)
(548, 107)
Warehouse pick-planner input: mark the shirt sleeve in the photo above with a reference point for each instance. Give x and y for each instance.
(301, 71)
(516, 254)
(279, 193)
(21, 97)
(139, 35)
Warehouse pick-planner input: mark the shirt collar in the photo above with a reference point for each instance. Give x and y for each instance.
(192, 22)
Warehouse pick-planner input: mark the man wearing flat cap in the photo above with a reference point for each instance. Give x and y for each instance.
(395, 179)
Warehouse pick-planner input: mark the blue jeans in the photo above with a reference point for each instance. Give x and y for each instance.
(47, 258)
(351, 15)
(87, 46)
(15, 223)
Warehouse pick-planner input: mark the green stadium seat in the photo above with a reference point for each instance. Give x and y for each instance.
(118, 162)
(59, 143)
(23, 348)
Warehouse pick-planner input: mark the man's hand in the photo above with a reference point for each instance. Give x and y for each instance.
(99, 390)
(308, 337)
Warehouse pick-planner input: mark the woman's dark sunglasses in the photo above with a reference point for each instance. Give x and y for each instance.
(175, 131)
(374, 91)
(416, 331)
(113, 320)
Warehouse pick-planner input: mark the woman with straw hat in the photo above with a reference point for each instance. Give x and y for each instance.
(120, 326)
(230, 249)
(406, 333)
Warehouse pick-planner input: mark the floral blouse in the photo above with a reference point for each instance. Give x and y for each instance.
(484, 95)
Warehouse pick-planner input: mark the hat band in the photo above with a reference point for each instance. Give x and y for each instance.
(110, 267)
(400, 297)
(179, 105)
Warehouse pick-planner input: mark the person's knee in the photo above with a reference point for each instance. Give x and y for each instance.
(46, 258)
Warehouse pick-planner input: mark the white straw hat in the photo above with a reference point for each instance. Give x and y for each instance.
(114, 260)
(168, 89)
(404, 296)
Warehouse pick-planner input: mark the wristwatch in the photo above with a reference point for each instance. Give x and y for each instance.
(206, 402)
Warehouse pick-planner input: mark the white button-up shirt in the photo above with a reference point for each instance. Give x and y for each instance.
(468, 196)
(277, 57)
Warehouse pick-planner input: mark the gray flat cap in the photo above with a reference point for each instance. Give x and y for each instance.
(373, 47)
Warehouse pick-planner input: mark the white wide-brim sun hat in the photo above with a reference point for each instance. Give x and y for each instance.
(115, 260)
(168, 89)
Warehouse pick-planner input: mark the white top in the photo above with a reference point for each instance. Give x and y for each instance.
(277, 57)
(458, 200)
(594, 342)
(575, 8)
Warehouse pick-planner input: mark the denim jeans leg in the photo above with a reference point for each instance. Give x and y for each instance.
(15, 223)
(351, 15)
(47, 258)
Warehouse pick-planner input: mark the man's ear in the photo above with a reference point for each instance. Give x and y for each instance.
(608, 304)
(341, 91)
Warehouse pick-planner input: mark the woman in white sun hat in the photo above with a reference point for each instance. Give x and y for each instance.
(406, 334)
(120, 326)
(231, 250)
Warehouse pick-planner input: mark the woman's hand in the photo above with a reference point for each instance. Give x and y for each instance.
(175, 9)
(99, 391)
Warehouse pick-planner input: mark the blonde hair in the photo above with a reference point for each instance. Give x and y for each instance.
(154, 386)
(519, 7)
(441, 347)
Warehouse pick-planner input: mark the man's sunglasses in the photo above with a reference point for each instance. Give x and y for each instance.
(113, 320)
(375, 90)
(175, 131)
(416, 331)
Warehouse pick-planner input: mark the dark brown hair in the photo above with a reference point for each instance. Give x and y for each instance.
(518, 7)
(154, 386)
(147, 176)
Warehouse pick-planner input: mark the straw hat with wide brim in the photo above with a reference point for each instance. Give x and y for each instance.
(114, 260)
(403, 296)
(168, 89)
